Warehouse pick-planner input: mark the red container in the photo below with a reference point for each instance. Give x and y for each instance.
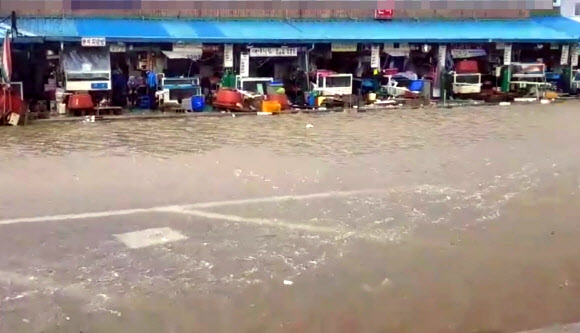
(80, 102)
(467, 67)
(228, 97)
(390, 71)
(12, 102)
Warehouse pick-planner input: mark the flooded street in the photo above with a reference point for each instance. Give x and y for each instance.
(459, 220)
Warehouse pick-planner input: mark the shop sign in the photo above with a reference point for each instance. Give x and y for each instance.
(375, 56)
(565, 54)
(468, 53)
(574, 55)
(500, 46)
(93, 42)
(273, 52)
(244, 65)
(343, 47)
(228, 55)
(117, 48)
(210, 48)
(507, 54)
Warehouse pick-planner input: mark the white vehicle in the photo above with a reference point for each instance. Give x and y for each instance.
(467, 83)
(332, 84)
(254, 84)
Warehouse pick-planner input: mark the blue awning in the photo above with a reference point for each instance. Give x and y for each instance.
(532, 30)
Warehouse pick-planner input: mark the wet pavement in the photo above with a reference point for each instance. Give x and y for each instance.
(461, 220)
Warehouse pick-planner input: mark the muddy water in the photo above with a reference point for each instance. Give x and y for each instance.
(333, 135)
(476, 227)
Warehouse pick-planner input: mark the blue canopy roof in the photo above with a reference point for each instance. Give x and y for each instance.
(532, 30)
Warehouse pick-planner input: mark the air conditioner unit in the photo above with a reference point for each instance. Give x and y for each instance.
(556, 3)
(384, 14)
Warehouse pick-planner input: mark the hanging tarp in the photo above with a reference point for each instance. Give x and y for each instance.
(6, 58)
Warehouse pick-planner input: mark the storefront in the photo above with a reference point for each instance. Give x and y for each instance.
(399, 59)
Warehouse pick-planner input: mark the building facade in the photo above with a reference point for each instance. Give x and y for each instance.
(299, 9)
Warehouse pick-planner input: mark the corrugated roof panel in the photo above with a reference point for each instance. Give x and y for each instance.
(49, 27)
(498, 30)
(261, 31)
(178, 29)
(121, 28)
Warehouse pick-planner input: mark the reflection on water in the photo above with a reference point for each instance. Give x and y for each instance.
(333, 135)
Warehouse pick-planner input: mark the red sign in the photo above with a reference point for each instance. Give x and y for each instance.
(384, 14)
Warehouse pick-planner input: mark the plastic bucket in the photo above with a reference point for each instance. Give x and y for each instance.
(198, 103)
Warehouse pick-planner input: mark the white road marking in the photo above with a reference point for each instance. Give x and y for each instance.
(149, 237)
(570, 328)
(110, 213)
(251, 220)
(76, 216)
(331, 194)
(340, 233)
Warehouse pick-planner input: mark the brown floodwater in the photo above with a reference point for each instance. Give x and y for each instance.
(461, 220)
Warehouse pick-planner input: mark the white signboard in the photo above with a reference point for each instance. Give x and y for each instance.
(574, 55)
(499, 46)
(467, 53)
(375, 56)
(244, 65)
(117, 48)
(186, 48)
(93, 42)
(228, 55)
(441, 56)
(565, 54)
(342, 47)
(273, 52)
(507, 54)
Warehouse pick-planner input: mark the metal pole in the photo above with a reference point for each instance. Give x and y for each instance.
(13, 23)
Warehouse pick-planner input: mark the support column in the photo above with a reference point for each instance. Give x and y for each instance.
(439, 89)
(507, 75)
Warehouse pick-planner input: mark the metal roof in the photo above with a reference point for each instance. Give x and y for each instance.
(533, 30)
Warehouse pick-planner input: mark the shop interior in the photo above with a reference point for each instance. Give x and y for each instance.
(126, 77)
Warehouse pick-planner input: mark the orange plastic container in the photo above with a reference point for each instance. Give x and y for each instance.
(271, 106)
(280, 98)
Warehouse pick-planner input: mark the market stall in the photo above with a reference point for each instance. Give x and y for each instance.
(87, 77)
(86, 69)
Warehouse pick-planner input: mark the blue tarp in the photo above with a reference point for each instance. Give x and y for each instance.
(532, 30)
